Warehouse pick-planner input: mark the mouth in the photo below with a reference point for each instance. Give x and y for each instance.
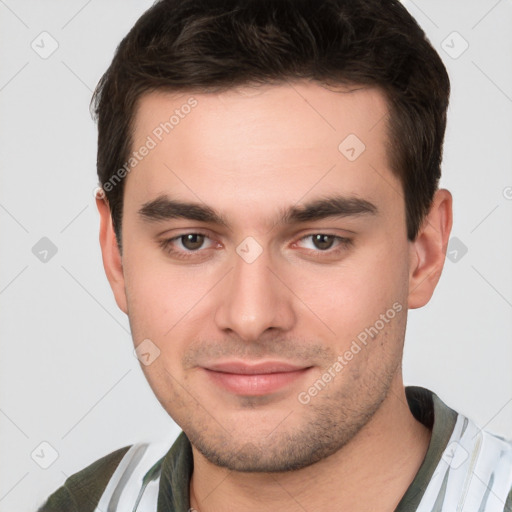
(256, 379)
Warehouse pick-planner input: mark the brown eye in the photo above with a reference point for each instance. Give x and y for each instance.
(192, 241)
(323, 242)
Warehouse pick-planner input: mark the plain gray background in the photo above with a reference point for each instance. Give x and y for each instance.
(68, 374)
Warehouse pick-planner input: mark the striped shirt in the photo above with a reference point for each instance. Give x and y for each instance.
(465, 469)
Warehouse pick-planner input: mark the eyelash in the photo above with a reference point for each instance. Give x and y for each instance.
(342, 244)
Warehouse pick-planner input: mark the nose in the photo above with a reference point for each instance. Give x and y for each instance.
(254, 300)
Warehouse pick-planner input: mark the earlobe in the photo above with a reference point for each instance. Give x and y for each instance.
(428, 251)
(112, 260)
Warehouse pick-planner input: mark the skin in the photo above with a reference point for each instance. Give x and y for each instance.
(248, 154)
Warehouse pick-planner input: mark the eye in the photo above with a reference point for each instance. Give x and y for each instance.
(322, 245)
(321, 241)
(186, 245)
(324, 241)
(192, 241)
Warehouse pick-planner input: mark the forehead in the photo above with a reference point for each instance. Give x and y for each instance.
(293, 112)
(262, 143)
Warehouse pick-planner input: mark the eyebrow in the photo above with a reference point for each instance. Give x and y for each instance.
(163, 208)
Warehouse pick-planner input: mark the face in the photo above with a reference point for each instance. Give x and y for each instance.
(265, 256)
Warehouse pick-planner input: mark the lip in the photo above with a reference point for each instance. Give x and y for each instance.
(255, 379)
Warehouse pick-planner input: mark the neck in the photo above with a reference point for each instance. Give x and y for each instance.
(371, 472)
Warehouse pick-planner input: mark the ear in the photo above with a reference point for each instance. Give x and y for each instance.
(112, 260)
(428, 250)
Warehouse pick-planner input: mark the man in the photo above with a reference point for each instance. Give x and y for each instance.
(269, 212)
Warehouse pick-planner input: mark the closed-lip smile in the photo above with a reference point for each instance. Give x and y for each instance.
(253, 379)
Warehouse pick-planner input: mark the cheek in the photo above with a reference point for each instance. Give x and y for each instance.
(147, 298)
(158, 295)
(169, 305)
(352, 297)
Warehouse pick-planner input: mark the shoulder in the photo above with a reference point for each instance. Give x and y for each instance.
(475, 471)
(82, 490)
(466, 467)
(114, 482)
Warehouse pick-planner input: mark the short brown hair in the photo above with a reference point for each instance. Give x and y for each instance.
(214, 45)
